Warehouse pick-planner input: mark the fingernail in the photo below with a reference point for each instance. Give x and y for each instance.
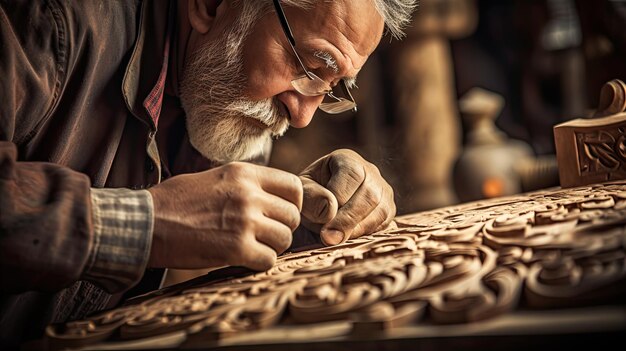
(332, 237)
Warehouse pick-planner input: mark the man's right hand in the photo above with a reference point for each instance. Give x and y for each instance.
(238, 214)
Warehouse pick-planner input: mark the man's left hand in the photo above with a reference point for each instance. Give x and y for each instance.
(345, 197)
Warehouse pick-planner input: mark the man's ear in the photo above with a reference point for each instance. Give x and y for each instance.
(202, 14)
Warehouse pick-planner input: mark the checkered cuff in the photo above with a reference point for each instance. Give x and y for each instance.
(123, 223)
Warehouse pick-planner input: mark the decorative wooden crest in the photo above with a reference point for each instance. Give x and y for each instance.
(594, 150)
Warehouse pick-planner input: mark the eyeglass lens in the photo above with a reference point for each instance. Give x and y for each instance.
(317, 87)
(311, 87)
(340, 106)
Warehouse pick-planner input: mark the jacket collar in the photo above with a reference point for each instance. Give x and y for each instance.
(147, 60)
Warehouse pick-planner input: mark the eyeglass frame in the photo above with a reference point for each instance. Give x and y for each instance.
(310, 75)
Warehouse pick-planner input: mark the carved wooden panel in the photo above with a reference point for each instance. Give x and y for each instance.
(594, 150)
(458, 264)
(591, 150)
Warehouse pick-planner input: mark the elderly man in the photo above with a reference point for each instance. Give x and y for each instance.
(103, 100)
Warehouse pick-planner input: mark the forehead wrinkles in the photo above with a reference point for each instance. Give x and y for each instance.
(356, 35)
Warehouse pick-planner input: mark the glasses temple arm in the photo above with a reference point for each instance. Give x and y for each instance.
(287, 29)
(284, 23)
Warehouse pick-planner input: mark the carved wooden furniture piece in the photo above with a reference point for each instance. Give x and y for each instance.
(594, 150)
(453, 265)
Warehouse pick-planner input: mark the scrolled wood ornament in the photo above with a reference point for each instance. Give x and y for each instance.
(459, 264)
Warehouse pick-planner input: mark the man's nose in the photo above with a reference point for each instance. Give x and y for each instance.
(301, 108)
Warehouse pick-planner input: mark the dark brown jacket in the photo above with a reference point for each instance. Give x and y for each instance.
(73, 76)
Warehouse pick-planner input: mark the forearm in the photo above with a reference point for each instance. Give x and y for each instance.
(46, 229)
(56, 230)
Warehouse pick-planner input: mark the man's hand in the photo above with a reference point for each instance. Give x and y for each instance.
(237, 214)
(345, 197)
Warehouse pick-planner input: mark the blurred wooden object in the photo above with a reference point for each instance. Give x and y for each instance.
(604, 43)
(491, 164)
(612, 99)
(425, 101)
(594, 150)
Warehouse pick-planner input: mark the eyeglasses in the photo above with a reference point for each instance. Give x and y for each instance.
(310, 84)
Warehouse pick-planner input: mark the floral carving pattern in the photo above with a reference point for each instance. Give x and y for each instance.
(453, 265)
(602, 151)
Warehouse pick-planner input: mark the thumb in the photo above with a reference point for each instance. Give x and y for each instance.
(319, 204)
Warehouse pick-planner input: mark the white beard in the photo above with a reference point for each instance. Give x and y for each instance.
(211, 93)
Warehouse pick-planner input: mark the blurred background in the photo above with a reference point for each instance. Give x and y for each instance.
(463, 107)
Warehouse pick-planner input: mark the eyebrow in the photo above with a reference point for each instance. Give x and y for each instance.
(328, 58)
(331, 63)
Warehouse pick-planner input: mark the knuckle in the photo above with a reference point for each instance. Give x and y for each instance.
(321, 209)
(346, 153)
(312, 190)
(266, 262)
(237, 252)
(270, 262)
(236, 170)
(294, 218)
(242, 242)
(346, 220)
(354, 172)
(316, 207)
(372, 168)
(296, 182)
(284, 241)
(298, 188)
(374, 195)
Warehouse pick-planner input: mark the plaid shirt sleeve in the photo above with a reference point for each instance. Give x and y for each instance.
(123, 223)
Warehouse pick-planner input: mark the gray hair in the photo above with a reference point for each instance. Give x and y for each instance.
(396, 13)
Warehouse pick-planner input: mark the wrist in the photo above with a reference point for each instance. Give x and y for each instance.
(123, 227)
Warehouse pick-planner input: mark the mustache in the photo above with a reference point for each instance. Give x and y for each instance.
(265, 111)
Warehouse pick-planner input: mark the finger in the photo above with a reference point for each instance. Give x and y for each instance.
(388, 224)
(319, 204)
(347, 175)
(377, 220)
(380, 218)
(280, 210)
(280, 183)
(273, 234)
(257, 256)
(363, 202)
